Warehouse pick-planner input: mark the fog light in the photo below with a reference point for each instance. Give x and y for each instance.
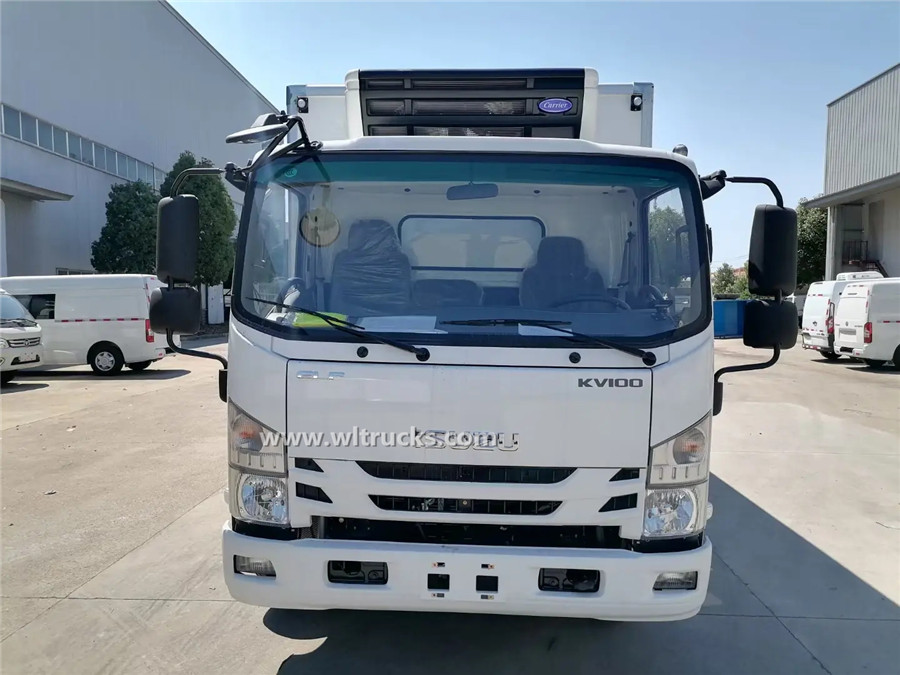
(676, 581)
(259, 567)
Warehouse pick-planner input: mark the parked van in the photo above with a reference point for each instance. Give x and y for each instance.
(817, 326)
(97, 319)
(868, 322)
(20, 338)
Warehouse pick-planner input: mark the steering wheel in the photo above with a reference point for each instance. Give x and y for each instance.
(293, 282)
(652, 296)
(592, 297)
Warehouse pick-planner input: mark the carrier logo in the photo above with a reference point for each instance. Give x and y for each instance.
(555, 105)
(621, 382)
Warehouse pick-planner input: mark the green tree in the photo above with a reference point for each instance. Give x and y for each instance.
(728, 281)
(812, 237)
(217, 219)
(127, 243)
(664, 224)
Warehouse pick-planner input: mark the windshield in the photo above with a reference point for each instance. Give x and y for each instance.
(417, 244)
(12, 309)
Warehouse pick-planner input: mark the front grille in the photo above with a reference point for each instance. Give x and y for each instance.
(471, 132)
(620, 503)
(465, 473)
(24, 342)
(463, 107)
(566, 536)
(497, 507)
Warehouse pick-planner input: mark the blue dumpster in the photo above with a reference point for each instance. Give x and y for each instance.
(728, 318)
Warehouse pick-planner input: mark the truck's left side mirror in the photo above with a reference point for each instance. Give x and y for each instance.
(769, 324)
(772, 264)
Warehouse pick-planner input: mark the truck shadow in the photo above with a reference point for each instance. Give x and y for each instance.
(16, 386)
(762, 569)
(71, 374)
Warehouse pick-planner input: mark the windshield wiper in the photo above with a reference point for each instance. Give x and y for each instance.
(351, 328)
(649, 358)
(22, 321)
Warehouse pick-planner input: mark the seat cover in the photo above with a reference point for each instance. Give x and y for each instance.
(560, 272)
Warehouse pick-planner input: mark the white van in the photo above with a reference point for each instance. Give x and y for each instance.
(20, 338)
(97, 319)
(868, 322)
(817, 326)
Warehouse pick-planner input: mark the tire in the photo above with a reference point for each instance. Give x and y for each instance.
(139, 366)
(831, 356)
(6, 378)
(896, 358)
(105, 359)
(874, 363)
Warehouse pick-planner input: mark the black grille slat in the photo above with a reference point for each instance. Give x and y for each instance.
(307, 464)
(312, 493)
(620, 503)
(626, 474)
(466, 473)
(494, 507)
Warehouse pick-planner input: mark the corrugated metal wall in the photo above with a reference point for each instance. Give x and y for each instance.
(864, 134)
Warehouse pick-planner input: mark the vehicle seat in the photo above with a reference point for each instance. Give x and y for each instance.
(560, 272)
(446, 293)
(372, 276)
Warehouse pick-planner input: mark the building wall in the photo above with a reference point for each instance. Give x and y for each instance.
(131, 76)
(875, 220)
(863, 142)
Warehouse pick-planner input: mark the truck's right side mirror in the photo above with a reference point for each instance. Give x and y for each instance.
(176, 309)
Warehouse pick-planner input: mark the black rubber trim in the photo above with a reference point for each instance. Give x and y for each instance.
(265, 531)
(674, 545)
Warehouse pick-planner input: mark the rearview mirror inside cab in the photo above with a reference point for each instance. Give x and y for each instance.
(177, 238)
(772, 264)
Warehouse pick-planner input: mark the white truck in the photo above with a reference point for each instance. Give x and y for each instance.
(459, 377)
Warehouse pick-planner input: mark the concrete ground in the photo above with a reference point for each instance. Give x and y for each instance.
(112, 507)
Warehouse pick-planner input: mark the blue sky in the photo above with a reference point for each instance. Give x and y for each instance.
(743, 85)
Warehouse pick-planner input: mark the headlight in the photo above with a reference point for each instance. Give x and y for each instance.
(675, 512)
(683, 459)
(257, 480)
(258, 499)
(253, 446)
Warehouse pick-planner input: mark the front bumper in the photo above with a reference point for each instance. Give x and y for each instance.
(625, 594)
(19, 358)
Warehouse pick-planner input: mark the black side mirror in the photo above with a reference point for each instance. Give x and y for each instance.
(772, 265)
(175, 309)
(769, 324)
(177, 238)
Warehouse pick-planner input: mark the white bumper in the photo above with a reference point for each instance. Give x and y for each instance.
(816, 342)
(19, 358)
(626, 582)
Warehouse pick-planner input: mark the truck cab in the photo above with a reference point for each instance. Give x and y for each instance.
(470, 352)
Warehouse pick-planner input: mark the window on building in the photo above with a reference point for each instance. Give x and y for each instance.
(59, 141)
(132, 168)
(87, 151)
(160, 177)
(111, 161)
(75, 147)
(45, 135)
(122, 170)
(99, 156)
(11, 124)
(29, 129)
(69, 270)
(144, 173)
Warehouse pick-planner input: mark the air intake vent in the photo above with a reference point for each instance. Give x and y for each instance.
(626, 474)
(464, 473)
(620, 503)
(312, 493)
(500, 507)
(519, 103)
